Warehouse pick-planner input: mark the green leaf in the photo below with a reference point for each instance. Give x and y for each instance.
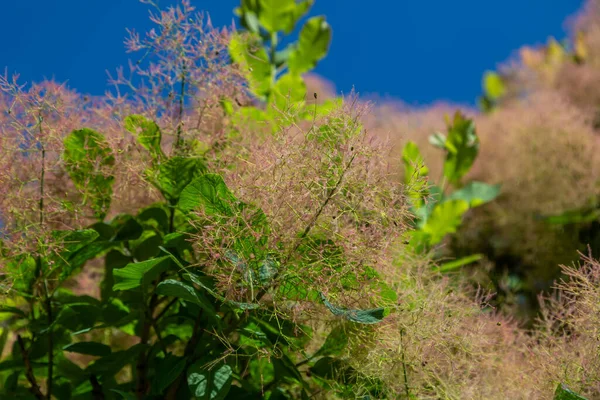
(147, 133)
(127, 228)
(445, 218)
(250, 22)
(209, 384)
(137, 274)
(76, 251)
(313, 45)
(370, 316)
(89, 348)
(88, 161)
(104, 230)
(476, 193)
(281, 15)
(336, 342)
(167, 371)
(148, 247)
(74, 240)
(289, 90)
(76, 316)
(493, 85)
(293, 288)
(210, 193)
(282, 56)
(111, 364)
(157, 214)
(286, 370)
(124, 395)
(267, 270)
(251, 57)
(334, 369)
(12, 310)
(252, 118)
(113, 259)
(174, 288)
(438, 140)
(564, 393)
(176, 173)
(452, 265)
(462, 147)
(578, 216)
(242, 306)
(415, 172)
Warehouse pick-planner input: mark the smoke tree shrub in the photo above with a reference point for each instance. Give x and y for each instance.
(202, 292)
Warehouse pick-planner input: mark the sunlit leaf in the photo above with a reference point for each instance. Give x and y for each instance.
(445, 218)
(147, 132)
(493, 85)
(210, 193)
(476, 193)
(89, 161)
(564, 393)
(462, 146)
(137, 274)
(312, 46)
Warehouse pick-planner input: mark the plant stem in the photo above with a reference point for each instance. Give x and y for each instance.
(181, 101)
(166, 308)
(274, 40)
(42, 176)
(48, 300)
(97, 393)
(142, 362)
(163, 346)
(310, 224)
(50, 342)
(35, 388)
(406, 388)
(171, 393)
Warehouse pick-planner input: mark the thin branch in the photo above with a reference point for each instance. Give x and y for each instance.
(171, 393)
(310, 225)
(166, 308)
(406, 387)
(35, 388)
(181, 103)
(48, 300)
(97, 393)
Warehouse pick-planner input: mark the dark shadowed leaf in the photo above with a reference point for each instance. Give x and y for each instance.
(336, 342)
(174, 288)
(127, 228)
(89, 348)
(168, 370)
(157, 216)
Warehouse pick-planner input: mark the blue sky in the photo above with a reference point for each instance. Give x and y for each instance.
(418, 51)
